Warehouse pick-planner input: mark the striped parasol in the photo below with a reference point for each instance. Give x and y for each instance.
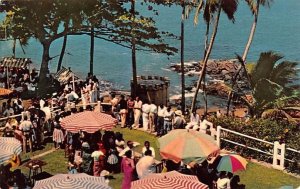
(88, 121)
(187, 146)
(72, 181)
(232, 163)
(4, 91)
(9, 146)
(169, 180)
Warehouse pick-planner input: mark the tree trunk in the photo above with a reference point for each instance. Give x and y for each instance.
(14, 48)
(204, 85)
(23, 50)
(133, 53)
(62, 53)
(92, 51)
(182, 58)
(43, 84)
(243, 62)
(211, 43)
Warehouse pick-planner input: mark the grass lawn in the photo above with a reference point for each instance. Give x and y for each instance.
(255, 177)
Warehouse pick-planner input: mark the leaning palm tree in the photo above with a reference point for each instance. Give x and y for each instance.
(254, 7)
(229, 7)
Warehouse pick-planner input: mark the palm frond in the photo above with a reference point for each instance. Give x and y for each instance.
(264, 66)
(284, 73)
(229, 7)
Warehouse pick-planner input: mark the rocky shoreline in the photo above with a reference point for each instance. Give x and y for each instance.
(219, 74)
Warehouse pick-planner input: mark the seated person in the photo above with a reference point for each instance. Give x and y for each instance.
(223, 182)
(204, 125)
(194, 121)
(148, 147)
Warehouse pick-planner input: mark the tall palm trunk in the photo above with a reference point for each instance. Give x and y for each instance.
(182, 58)
(92, 51)
(21, 45)
(62, 53)
(211, 43)
(133, 53)
(244, 57)
(205, 51)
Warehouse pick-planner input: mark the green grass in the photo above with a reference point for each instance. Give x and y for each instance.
(255, 177)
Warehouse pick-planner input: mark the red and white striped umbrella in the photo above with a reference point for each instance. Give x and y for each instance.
(8, 147)
(72, 181)
(169, 180)
(88, 121)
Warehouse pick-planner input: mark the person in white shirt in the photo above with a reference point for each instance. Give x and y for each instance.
(146, 110)
(223, 182)
(168, 118)
(194, 121)
(137, 108)
(148, 147)
(145, 165)
(160, 119)
(204, 125)
(152, 115)
(26, 128)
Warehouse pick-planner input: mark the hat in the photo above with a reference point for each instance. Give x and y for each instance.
(85, 145)
(178, 112)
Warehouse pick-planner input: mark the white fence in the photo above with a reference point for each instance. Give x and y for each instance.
(278, 152)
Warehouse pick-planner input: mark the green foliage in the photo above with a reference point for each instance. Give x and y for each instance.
(264, 129)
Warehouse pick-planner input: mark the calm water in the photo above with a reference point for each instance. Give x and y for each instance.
(278, 29)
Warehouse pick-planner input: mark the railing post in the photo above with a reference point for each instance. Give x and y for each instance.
(219, 136)
(278, 155)
(99, 106)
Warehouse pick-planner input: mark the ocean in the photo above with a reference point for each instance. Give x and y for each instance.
(278, 30)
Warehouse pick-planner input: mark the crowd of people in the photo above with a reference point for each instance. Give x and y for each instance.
(153, 118)
(18, 79)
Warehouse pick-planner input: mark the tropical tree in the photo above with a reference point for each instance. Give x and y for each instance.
(216, 6)
(274, 88)
(48, 21)
(254, 7)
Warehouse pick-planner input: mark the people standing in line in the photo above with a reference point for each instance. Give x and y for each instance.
(127, 167)
(137, 112)
(204, 124)
(130, 112)
(168, 119)
(114, 106)
(146, 111)
(160, 119)
(194, 121)
(152, 117)
(178, 121)
(123, 110)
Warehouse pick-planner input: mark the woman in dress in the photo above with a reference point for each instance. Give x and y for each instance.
(127, 167)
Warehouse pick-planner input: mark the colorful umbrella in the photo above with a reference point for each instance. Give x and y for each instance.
(4, 91)
(187, 145)
(169, 180)
(9, 146)
(72, 181)
(88, 121)
(232, 163)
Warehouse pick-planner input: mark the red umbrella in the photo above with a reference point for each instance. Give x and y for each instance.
(169, 180)
(88, 121)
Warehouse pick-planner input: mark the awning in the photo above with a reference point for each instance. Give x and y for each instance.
(64, 75)
(15, 62)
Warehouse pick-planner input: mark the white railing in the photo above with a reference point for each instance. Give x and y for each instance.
(278, 152)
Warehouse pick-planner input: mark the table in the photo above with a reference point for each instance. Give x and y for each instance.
(35, 167)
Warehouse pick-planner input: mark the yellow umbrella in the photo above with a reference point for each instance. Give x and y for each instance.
(4, 91)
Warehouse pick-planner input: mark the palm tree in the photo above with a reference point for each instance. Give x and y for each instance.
(133, 49)
(273, 87)
(229, 7)
(254, 6)
(182, 57)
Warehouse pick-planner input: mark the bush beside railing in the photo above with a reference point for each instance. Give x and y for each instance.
(267, 130)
